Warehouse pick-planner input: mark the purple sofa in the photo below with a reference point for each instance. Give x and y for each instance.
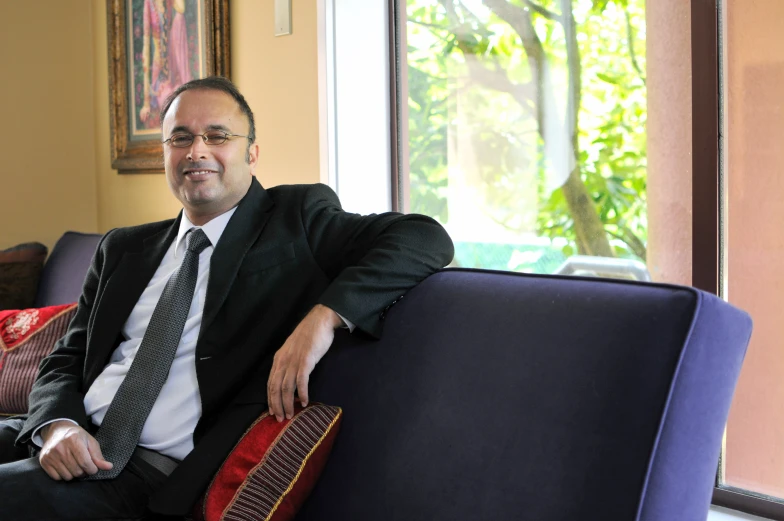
(65, 269)
(499, 396)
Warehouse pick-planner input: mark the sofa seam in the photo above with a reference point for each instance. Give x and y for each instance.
(666, 410)
(551, 276)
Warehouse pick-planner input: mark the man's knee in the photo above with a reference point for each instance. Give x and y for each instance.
(9, 430)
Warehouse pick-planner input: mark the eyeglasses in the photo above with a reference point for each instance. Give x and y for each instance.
(211, 137)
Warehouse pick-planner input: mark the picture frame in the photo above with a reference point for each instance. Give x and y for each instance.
(154, 46)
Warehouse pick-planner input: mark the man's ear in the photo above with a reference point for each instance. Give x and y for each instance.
(253, 157)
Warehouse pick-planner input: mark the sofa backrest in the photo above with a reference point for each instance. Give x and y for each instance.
(504, 396)
(65, 269)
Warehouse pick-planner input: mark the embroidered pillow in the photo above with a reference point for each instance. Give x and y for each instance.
(26, 337)
(20, 269)
(273, 468)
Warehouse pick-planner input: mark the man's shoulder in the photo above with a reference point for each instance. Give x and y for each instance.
(298, 189)
(301, 193)
(133, 234)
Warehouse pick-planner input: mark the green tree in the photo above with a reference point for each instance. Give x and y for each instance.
(592, 52)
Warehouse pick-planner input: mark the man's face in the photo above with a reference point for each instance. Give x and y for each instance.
(208, 179)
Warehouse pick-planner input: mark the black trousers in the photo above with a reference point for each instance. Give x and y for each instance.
(27, 493)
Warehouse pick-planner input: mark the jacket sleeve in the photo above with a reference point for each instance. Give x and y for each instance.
(58, 389)
(372, 260)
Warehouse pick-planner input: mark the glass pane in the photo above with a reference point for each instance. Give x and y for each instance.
(527, 135)
(754, 246)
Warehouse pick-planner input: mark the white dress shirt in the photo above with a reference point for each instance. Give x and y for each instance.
(170, 425)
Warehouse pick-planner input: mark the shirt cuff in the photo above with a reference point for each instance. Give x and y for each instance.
(347, 324)
(38, 439)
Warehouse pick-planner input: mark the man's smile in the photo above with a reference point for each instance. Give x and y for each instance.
(199, 175)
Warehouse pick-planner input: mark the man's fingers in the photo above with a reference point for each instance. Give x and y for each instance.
(64, 472)
(73, 463)
(302, 385)
(61, 470)
(96, 457)
(273, 395)
(287, 392)
(52, 460)
(51, 473)
(49, 469)
(269, 389)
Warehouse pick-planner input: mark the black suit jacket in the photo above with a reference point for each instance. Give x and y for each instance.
(283, 251)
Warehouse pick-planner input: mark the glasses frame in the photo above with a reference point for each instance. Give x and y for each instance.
(203, 136)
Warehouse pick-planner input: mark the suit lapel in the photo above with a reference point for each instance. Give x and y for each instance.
(241, 232)
(122, 292)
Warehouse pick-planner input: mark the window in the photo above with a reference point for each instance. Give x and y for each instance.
(355, 109)
(526, 131)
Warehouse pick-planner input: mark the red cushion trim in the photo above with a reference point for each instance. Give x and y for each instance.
(310, 477)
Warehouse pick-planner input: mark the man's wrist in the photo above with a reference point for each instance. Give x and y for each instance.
(328, 316)
(46, 430)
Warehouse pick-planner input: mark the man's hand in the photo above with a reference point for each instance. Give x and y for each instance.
(295, 361)
(69, 452)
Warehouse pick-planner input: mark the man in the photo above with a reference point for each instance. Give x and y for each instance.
(252, 281)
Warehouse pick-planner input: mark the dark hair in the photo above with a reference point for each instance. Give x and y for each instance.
(215, 83)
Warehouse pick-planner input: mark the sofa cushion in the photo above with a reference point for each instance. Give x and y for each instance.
(63, 274)
(26, 337)
(20, 270)
(273, 467)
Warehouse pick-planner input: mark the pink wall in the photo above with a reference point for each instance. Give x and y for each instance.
(754, 89)
(669, 140)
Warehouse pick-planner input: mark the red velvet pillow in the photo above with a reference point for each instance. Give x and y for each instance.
(26, 337)
(273, 468)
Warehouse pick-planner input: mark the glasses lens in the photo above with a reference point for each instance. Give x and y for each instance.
(215, 137)
(181, 140)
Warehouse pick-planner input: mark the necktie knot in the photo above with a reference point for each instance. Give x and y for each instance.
(198, 241)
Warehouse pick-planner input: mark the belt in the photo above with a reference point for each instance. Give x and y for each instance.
(163, 463)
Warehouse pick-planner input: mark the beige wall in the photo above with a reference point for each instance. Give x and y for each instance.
(65, 181)
(47, 170)
(279, 78)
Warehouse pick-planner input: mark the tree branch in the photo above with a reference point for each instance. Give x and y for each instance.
(632, 241)
(429, 26)
(538, 9)
(630, 43)
(480, 25)
(574, 64)
(520, 20)
(523, 93)
(495, 78)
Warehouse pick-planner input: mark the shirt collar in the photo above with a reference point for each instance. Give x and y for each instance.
(213, 230)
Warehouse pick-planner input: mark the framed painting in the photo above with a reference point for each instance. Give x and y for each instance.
(154, 47)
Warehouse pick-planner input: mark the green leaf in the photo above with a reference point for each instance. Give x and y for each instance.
(613, 80)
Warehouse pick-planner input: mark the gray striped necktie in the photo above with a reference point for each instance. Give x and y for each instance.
(124, 420)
